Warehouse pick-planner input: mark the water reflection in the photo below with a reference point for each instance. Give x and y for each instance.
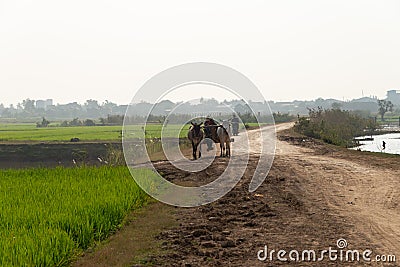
(391, 140)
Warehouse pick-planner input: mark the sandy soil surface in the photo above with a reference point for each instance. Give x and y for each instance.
(314, 195)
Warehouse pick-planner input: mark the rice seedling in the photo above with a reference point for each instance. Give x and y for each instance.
(49, 215)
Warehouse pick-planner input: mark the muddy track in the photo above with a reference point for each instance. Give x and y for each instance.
(312, 197)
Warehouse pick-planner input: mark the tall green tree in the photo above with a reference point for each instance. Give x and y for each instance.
(384, 106)
(28, 105)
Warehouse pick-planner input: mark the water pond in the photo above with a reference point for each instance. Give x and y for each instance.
(392, 141)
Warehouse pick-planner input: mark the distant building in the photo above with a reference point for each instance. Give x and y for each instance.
(43, 104)
(373, 99)
(119, 110)
(371, 106)
(394, 96)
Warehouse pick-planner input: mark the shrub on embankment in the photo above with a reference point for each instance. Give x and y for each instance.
(334, 126)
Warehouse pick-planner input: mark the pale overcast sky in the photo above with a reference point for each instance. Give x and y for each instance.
(76, 50)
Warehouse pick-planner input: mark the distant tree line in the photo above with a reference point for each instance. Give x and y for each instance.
(91, 109)
(30, 110)
(108, 121)
(115, 120)
(77, 122)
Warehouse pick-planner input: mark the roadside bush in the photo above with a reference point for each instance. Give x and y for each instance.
(44, 123)
(115, 155)
(283, 117)
(89, 122)
(112, 120)
(334, 126)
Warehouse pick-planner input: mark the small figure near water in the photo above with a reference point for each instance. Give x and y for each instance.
(383, 145)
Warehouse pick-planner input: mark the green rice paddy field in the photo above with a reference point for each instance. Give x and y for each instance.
(20, 132)
(29, 132)
(48, 216)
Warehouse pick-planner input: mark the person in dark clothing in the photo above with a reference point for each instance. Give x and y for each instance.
(235, 125)
(208, 133)
(383, 145)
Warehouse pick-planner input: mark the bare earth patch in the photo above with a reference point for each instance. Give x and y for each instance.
(136, 242)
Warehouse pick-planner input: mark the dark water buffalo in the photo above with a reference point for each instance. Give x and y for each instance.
(210, 129)
(195, 135)
(219, 133)
(224, 141)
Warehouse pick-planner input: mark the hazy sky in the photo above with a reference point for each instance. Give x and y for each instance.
(76, 50)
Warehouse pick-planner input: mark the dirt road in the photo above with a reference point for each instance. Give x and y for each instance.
(314, 195)
(363, 187)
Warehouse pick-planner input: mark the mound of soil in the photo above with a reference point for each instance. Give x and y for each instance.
(230, 231)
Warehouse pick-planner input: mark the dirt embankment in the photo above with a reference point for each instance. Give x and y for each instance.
(314, 195)
(51, 154)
